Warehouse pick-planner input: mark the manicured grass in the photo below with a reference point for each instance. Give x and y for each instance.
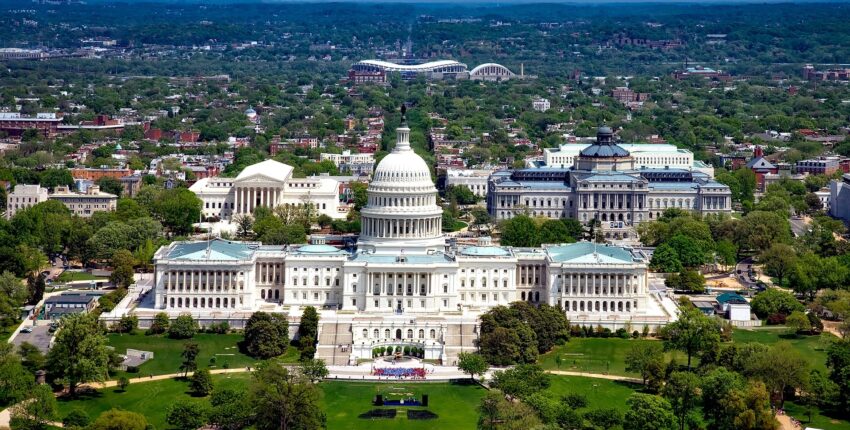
(150, 399)
(812, 348)
(597, 355)
(167, 352)
(454, 404)
(818, 421)
(601, 393)
(78, 276)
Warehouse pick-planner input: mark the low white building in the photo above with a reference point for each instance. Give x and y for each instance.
(87, 203)
(474, 179)
(24, 196)
(540, 104)
(270, 184)
(352, 163)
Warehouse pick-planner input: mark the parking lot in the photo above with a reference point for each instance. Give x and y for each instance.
(40, 337)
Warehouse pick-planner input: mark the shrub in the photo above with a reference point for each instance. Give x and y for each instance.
(184, 327)
(77, 418)
(132, 369)
(123, 382)
(219, 328)
(776, 319)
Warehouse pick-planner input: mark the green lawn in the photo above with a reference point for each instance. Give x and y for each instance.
(78, 276)
(813, 348)
(167, 352)
(454, 404)
(601, 393)
(597, 355)
(149, 399)
(818, 421)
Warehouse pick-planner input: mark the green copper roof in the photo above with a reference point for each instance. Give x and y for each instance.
(586, 252)
(216, 249)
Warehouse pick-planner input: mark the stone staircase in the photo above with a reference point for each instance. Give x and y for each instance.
(459, 338)
(334, 346)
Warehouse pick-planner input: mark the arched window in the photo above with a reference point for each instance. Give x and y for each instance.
(409, 333)
(376, 333)
(421, 333)
(387, 333)
(432, 334)
(365, 333)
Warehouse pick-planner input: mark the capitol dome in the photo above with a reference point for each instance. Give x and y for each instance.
(402, 213)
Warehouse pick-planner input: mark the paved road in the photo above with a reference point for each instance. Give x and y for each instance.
(40, 337)
(799, 227)
(742, 273)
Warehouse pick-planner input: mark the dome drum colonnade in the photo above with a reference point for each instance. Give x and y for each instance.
(402, 202)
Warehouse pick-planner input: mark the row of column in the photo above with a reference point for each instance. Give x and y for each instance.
(714, 202)
(269, 273)
(609, 284)
(216, 280)
(388, 283)
(402, 228)
(248, 198)
(530, 275)
(599, 305)
(203, 302)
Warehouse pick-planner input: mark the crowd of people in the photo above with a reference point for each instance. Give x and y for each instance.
(400, 372)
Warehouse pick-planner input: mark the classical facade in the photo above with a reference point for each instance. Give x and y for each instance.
(603, 183)
(270, 184)
(403, 285)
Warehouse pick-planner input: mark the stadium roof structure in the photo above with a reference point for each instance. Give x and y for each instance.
(431, 66)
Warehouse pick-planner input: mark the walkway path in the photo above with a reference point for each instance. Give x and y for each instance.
(786, 423)
(597, 376)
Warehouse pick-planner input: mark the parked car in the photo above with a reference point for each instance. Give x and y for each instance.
(26, 330)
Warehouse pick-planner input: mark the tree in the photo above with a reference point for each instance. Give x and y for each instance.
(462, 194)
(645, 358)
(496, 413)
(519, 231)
(177, 209)
(780, 368)
(682, 391)
(555, 231)
(313, 369)
(798, 322)
(648, 412)
(160, 324)
(691, 333)
(480, 218)
(35, 288)
(123, 383)
(79, 353)
(283, 400)
(266, 335)
(13, 294)
(604, 419)
(110, 185)
(31, 357)
(727, 252)
(230, 409)
(773, 301)
(687, 280)
(190, 356)
(779, 260)
(116, 419)
(184, 327)
(244, 226)
(838, 362)
(665, 259)
(186, 415)
(748, 409)
(15, 381)
(201, 383)
(308, 332)
(122, 268)
(472, 364)
(35, 412)
(126, 324)
(717, 386)
(521, 380)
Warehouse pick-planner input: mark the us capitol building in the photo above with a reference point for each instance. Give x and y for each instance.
(403, 285)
